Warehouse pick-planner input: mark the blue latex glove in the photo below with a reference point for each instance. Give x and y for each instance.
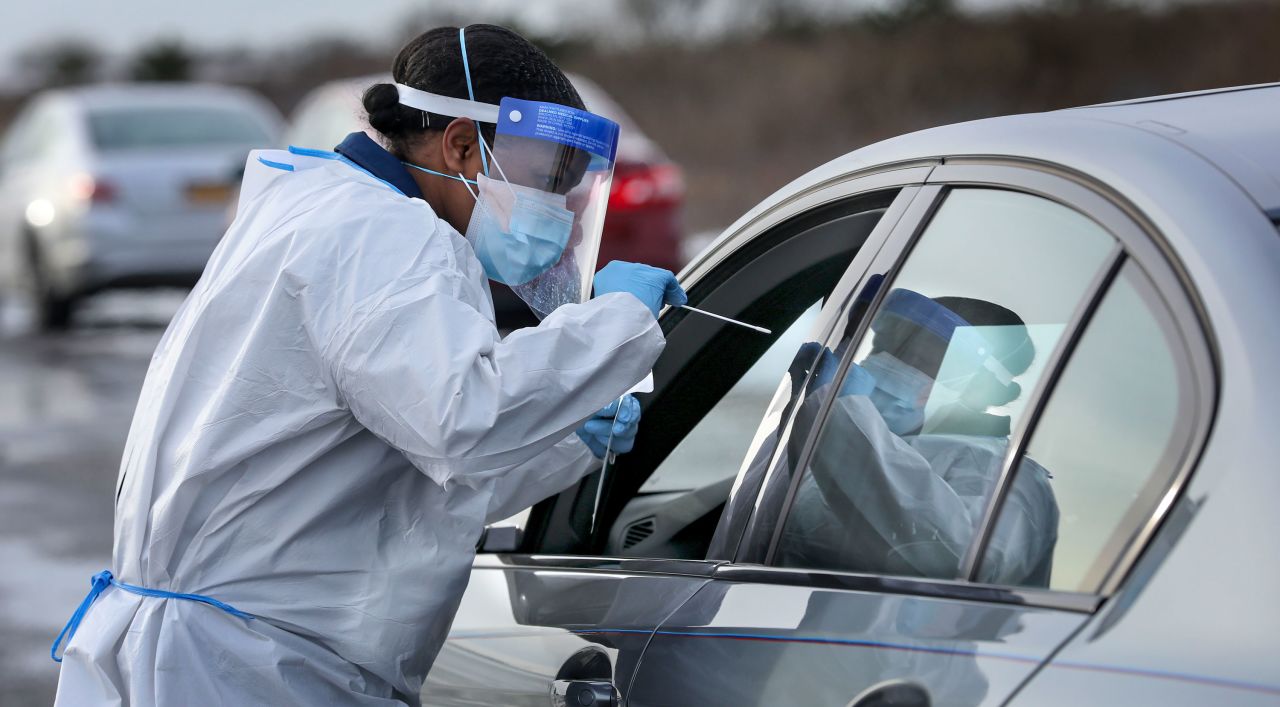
(624, 419)
(653, 286)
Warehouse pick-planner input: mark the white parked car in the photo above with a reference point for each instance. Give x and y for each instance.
(120, 185)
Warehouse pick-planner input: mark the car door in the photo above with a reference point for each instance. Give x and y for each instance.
(572, 590)
(941, 557)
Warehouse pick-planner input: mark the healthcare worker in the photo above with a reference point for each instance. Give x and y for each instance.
(893, 490)
(332, 417)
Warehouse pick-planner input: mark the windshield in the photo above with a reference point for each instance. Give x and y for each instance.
(177, 126)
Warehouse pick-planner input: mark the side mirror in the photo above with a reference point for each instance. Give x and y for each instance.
(500, 538)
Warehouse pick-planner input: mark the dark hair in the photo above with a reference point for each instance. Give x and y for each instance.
(502, 64)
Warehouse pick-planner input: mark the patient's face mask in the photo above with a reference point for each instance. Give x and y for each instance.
(900, 392)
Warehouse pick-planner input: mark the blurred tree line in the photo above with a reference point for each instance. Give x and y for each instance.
(788, 84)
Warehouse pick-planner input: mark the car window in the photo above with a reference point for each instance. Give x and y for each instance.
(1105, 448)
(712, 387)
(700, 460)
(915, 439)
(174, 126)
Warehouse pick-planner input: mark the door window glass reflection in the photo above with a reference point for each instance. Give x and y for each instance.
(915, 440)
(1112, 432)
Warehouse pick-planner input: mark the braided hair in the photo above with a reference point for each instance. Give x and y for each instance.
(502, 64)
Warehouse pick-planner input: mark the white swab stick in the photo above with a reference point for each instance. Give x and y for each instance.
(713, 315)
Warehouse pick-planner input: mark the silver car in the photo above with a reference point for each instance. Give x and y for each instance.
(120, 185)
(1115, 543)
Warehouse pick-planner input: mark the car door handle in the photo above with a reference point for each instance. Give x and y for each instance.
(583, 693)
(893, 693)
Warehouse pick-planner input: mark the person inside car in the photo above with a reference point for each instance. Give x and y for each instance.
(912, 451)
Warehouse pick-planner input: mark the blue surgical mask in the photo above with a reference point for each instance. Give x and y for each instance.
(900, 392)
(517, 232)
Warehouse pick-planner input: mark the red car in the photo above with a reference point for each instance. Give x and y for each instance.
(643, 223)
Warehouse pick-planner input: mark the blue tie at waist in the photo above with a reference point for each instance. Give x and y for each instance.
(104, 579)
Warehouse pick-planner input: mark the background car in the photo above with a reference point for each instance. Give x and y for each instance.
(643, 222)
(1138, 243)
(120, 185)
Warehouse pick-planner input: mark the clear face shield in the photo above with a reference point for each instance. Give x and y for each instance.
(540, 212)
(541, 199)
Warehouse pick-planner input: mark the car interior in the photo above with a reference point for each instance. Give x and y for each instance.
(771, 281)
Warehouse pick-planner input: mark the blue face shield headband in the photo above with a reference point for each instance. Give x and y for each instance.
(541, 193)
(965, 342)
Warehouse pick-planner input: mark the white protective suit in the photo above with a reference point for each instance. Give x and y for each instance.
(876, 502)
(325, 428)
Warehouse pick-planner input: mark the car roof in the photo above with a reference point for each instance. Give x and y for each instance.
(1232, 129)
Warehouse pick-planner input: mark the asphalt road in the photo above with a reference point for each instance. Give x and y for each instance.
(65, 405)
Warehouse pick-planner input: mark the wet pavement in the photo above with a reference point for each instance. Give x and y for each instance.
(66, 401)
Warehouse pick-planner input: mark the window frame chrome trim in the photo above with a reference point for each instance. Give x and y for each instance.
(963, 590)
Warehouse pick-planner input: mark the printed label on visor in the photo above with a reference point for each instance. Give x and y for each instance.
(557, 123)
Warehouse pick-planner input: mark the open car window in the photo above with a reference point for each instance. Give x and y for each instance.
(706, 461)
(700, 460)
(713, 385)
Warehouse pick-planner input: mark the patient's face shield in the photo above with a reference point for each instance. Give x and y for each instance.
(567, 152)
